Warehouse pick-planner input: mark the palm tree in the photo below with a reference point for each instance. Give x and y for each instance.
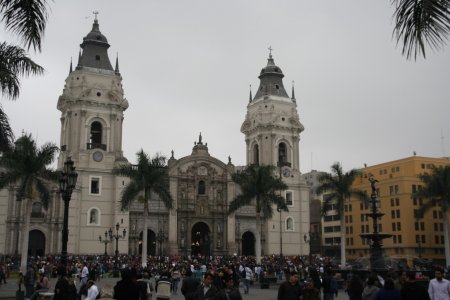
(6, 133)
(339, 185)
(437, 190)
(148, 176)
(27, 166)
(420, 22)
(260, 184)
(27, 19)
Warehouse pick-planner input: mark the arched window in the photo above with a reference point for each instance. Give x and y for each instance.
(289, 224)
(256, 154)
(282, 153)
(96, 133)
(36, 210)
(201, 187)
(93, 216)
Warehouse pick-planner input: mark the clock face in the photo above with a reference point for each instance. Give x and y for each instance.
(97, 156)
(286, 171)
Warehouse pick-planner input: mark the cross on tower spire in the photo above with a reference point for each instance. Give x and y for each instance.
(96, 14)
(270, 51)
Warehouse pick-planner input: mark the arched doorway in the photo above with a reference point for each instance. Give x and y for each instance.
(200, 239)
(151, 242)
(248, 243)
(36, 243)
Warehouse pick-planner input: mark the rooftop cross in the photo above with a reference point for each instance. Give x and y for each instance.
(270, 51)
(96, 14)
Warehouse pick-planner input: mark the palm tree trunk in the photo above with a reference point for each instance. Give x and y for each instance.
(26, 234)
(446, 239)
(343, 261)
(144, 232)
(258, 238)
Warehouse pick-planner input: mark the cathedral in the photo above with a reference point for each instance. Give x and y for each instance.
(92, 107)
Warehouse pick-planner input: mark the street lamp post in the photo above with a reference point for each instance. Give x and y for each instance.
(107, 240)
(161, 237)
(117, 236)
(67, 183)
(311, 238)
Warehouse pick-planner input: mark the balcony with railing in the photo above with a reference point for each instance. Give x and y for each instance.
(90, 146)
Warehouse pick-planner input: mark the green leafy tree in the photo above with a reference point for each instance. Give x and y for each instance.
(259, 184)
(26, 168)
(419, 23)
(437, 189)
(148, 176)
(339, 186)
(27, 20)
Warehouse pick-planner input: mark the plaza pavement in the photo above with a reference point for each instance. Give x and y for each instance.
(9, 290)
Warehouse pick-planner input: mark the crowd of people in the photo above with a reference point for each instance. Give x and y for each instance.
(219, 277)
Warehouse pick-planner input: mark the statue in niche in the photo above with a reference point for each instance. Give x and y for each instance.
(202, 210)
(182, 226)
(182, 242)
(219, 228)
(93, 217)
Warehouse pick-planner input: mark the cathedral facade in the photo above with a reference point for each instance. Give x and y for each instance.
(92, 109)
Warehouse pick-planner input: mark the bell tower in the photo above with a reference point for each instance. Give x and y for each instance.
(92, 109)
(272, 132)
(272, 126)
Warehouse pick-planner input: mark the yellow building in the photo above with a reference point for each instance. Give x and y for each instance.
(410, 238)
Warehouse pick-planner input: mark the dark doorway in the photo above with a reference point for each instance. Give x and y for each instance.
(200, 239)
(151, 243)
(248, 243)
(36, 243)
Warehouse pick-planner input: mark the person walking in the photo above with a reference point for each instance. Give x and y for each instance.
(230, 292)
(206, 290)
(127, 288)
(439, 287)
(371, 289)
(412, 290)
(290, 289)
(189, 285)
(329, 285)
(355, 288)
(29, 281)
(247, 279)
(388, 291)
(92, 290)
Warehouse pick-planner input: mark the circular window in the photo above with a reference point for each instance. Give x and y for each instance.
(78, 78)
(265, 106)
(282, 119)
(277, 86)
(99, 94)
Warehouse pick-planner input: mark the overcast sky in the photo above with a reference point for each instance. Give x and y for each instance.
(187, 67)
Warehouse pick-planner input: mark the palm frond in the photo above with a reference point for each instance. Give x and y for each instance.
(43, 192)
(238, 202)
(14, 63)
(26, 18)
(129, 194)
(419, 23)
(6, 133)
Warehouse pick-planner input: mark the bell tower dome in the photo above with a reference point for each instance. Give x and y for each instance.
(272, 126)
